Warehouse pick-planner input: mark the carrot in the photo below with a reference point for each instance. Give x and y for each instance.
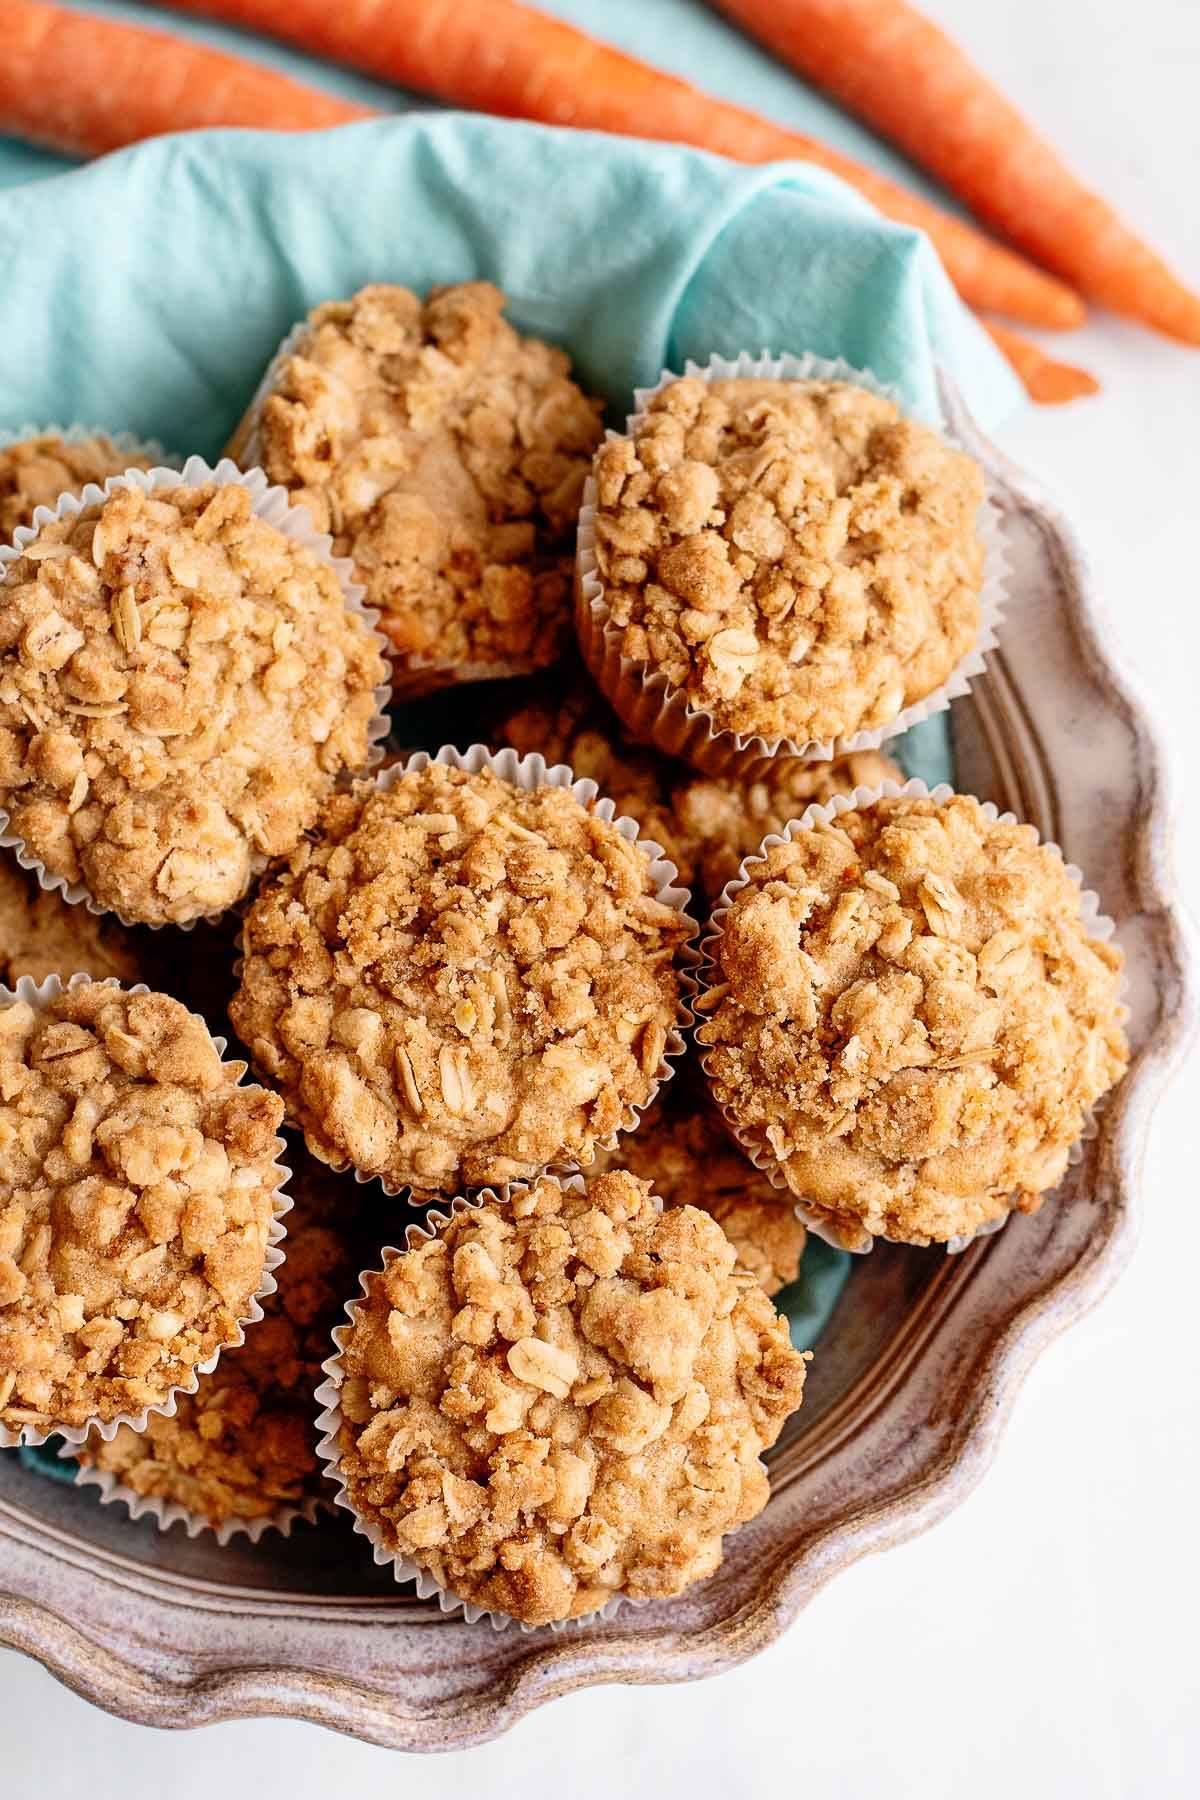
(87, 85)
(1048, 382)
(893, 67)
(499, 56)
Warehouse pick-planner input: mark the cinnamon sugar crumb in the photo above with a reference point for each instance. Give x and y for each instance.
(446, 454)
(244, 1444)
(564, 1398)
(179, 685)
(37, 471)
(136, 1193)
(459, 981)
(911, 1018)
(797, 558)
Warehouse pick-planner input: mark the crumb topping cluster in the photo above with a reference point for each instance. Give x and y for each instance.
(564, 1398)
(909, 1014)
(446, 454)
(458, 981)
(797, 558)
(37, 471)
(136, 1193)
(683, 1149)
(244, 1444)
(179, 686)
(41, 934)
(705, 824)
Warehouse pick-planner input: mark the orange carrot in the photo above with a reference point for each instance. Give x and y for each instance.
(1048, 382)
(499, 56)
(893, 67)
(87, 85)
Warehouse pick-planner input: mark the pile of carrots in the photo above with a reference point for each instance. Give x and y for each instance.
(87, 85)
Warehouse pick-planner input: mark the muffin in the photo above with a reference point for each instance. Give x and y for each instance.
(446, 454)
(180, 683)
(40, 934)
(792, 561)
(138, 1186)
(684, 1150)
(562, 1399)
(457, 980)
(243, 1446)
(36, 471)
(910, 1018)
(704, 824)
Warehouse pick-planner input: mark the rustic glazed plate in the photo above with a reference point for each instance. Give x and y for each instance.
(916, 1372)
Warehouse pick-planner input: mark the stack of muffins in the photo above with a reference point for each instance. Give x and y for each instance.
(463, 980)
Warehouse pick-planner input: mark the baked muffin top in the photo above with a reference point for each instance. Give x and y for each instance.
(42, 934)
(563, 1398)
(36, 471)
(446, 454)
(457, 982)
(137, 1186)
(244, 1444)
(704, 824)
(796, 558)
(683, 1148)
(179, 685)
(909, 1015)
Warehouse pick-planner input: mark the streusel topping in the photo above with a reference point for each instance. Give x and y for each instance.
(684, 1150)
(704, 824)
(37, 471)
(41, 934)
(447, 455)
(459, 981)
(244, 1444)
(564, 1398)
(797, 558)
(136, 1190)
(910, 1016)
(179, 685)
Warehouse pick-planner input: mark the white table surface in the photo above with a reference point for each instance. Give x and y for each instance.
(1041, 1642)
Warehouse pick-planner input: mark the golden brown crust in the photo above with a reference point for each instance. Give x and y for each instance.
(42, 934)
(179, 686)
(794, 556)
(564, 1398)
(244, 1444)
(910, 1016)
(684, 1150)
(37, 471)
(459, 981)
(136, 1193)
(704, 824)
(446, 454)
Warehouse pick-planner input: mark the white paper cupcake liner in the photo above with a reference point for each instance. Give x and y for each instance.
(110, 1489)
(661, 714)
(1097, 924)
(274, 506)
(329, 1423)
(530, 772)
(40, 994)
